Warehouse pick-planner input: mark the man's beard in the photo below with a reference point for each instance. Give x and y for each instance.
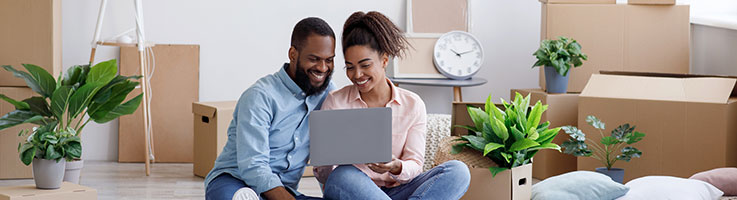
(303, 81)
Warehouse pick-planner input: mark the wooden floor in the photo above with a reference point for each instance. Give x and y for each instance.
(167, 181)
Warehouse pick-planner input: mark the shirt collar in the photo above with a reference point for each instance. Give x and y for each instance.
(288, 82)
(356, 96)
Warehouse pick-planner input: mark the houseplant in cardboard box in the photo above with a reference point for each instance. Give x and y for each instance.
(617, 143)
(509, 137)
(95, 92)
(558, 57)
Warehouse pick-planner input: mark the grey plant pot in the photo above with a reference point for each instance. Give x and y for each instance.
(617, 174)
(554, 82)
(48, 174)
(72, 171)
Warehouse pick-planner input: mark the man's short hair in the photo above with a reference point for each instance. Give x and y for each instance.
(307, 27)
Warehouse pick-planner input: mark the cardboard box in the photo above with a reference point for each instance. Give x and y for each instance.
(10, 165)
(620, 37)
(211, 121)
(32, 35)
(562, 111)
(68, 191)
(514, 184)
(459, 116)
(175, 86)
(689, 120)
(579, 1)
(652, 2)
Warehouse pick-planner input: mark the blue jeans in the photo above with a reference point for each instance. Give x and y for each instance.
(224, 187)
(449, 180)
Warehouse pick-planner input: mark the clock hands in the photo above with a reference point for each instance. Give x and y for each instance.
(457, 54)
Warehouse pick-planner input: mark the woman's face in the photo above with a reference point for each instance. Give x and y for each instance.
(365, 67)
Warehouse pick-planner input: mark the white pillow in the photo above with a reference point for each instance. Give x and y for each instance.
(667, 187)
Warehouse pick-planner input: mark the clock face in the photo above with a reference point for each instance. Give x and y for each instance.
(458, 55)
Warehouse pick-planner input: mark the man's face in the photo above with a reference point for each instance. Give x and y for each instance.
(313, 64)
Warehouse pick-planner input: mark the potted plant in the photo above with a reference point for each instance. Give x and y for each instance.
(615, 147)
(96, 92)
(509, 138)
(558, 57)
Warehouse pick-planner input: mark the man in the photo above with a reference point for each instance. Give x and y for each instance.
(268, 139)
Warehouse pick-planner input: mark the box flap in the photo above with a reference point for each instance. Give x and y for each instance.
(660, 88)
(672, 75)
(209, 109)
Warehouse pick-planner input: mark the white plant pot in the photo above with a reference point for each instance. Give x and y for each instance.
(72, 171)
(48, 174)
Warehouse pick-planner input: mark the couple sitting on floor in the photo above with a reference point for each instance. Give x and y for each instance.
(268, 139)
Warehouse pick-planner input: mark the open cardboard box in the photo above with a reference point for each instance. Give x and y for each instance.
(689, 120)
(562, 111)
(513, 184)
(211, 121)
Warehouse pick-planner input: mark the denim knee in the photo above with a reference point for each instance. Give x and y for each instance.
(341, 174)
(459, 170)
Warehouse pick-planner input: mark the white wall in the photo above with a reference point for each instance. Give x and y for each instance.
(241, 41)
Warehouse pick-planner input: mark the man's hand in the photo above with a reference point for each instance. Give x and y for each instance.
(394, 166)
(278, 193)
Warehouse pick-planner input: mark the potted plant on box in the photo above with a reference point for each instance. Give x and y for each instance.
(558, 57)
(614, 147)
(96, 92)
(509, 137)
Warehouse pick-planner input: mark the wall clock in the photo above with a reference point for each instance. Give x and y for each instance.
(458, 55)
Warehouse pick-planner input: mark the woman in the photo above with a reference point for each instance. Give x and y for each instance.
(369, 40)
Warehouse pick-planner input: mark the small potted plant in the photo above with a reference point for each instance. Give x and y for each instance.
(509, 138)
(97, 92)
(558, 57)
(614, 147)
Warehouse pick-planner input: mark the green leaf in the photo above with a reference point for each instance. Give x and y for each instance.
(18, 104)
(575, 133)
(546, 146)
(534, 135)
(478, 116)
(491, 147)
(622, 131)
(635, 137)
(32, 83)
(523, 144)
(516, 133)
(81, 98)
(495, 170)
(533, 120)
(60, 99)
(27, 153)
(500, 130)
(628, 153)
(595, 122)
(100, 108)
(14, 118)
(52, 154)
(126, 108)
(476, 142)
(102, 72)
(547, 136)
(39, 106)
(576, 148)
(72, 76)
(72, 146)
(457, 148)
(609, 140)
(488, 106)
(45, 81)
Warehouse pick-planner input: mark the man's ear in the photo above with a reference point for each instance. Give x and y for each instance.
(293, 54)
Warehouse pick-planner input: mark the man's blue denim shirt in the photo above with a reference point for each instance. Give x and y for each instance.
(268, 139)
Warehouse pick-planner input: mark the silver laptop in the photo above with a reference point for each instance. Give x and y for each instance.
(350, 136)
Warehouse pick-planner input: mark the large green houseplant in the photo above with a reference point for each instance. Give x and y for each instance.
(558, 57)
(509, 137)
(96, 92)
(615, 147)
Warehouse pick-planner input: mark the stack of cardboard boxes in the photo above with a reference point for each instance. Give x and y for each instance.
(32, 35)
(641, 36)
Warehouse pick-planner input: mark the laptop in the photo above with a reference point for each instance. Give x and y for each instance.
(350, 136)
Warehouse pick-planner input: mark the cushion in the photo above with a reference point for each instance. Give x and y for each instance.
(438, 127)
(581, 185)
(668, 187)
(723, 178)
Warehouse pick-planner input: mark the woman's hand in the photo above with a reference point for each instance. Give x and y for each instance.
(394, 166)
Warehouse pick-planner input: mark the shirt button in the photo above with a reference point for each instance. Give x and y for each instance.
(289, 156)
